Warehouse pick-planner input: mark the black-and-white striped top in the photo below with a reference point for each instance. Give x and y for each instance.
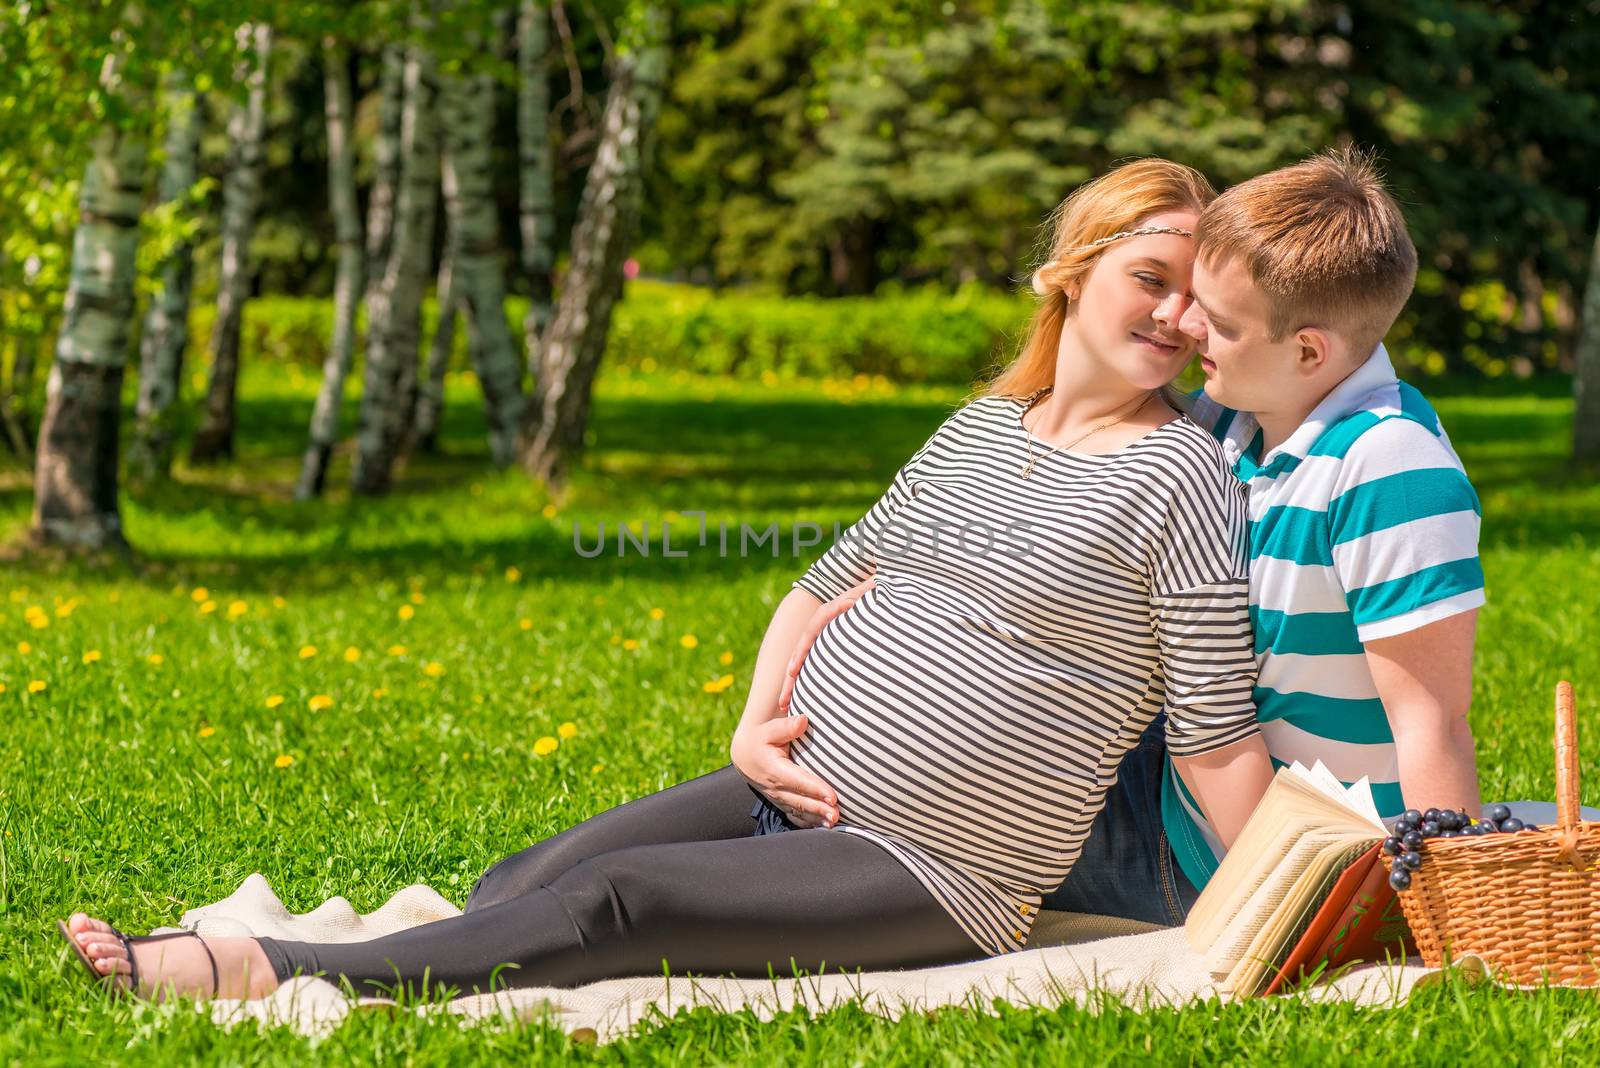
(971, 710)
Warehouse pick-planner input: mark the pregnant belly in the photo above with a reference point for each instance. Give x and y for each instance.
(920, 750)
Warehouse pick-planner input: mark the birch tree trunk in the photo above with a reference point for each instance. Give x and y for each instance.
(554, 426)
(241, 196)
(165, 336)
(467, 111)
(348, 281)
(393, 309)
(1586, 419)
(75, 474)
(536, 171)
(430, 394)
(386, 163)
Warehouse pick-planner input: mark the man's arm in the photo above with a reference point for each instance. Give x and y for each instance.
(1228, 783)
(1424, 678)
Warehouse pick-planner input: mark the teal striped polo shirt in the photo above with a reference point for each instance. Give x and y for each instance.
(1363, 525)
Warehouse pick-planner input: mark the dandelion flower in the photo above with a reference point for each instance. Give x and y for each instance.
(568, 730)
(545, 746)
(39, 622)
(417, 597)
(656, 613)
(548, 511)
(36, 686)
(307, 652)
(200, 595)
(725, 682)
(396, 650)
(380, 692)
(207, 608)
(206, 732)
(434, 669)
(406, 611)
(275, 700)
(156, 659)
(320, 702)
(91, 656)
(688, 641)
(237, 609)
(24, 648)
(351, 655)
(2, 687)
(630, 644)
(513, 574)
(597, 769)
(525, 623)
(283, 761)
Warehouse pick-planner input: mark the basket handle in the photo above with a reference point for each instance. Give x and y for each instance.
(1567, 810)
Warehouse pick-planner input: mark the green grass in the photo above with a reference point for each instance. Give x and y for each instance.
(110, 797)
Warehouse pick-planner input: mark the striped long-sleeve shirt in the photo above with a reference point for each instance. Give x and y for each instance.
(971, 710)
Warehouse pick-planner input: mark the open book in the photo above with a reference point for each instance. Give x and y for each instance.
(1303, 884)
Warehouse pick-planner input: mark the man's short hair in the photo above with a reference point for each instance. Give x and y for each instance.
(1323, 240)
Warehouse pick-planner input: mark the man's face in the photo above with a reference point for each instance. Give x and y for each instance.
(1244, 368)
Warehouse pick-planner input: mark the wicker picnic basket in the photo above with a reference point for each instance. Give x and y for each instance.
(1528, 903)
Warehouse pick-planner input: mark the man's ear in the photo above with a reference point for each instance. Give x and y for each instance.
(1315, 349)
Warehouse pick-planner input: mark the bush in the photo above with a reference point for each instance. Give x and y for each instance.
(913, 336)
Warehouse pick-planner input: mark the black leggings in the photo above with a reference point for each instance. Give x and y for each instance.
(675, 880)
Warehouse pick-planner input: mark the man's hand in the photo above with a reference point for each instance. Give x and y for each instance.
(760, 752)
(824, 615)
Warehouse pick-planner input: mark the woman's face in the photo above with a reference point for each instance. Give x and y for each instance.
(1124, 316)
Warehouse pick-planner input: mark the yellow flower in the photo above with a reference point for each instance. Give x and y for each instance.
(548, 511)
(351, 655)
(91, 656)
(434, 669)
(200, 594)
(157, 659)
(596, 769)
(319, 702)
(36, 686)
(275, 700)
(114, 597)
(513, 574)
(65, 610)
(718, 685)
(616, 639)
(283, 761)
(2, 687)
(279, 602)
(406, 611)
(396, 650)
(24, 648)
(207, 608)
(307, 652)
(525, 623)
(688, 641)
(380, 692)
(39, 622)
(568, 730)
(417, 597)
(545, 746)
(206, 732)
(237, 609)
(656, 613)
(630, 644)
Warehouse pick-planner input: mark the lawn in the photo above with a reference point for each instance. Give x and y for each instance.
(161, 742)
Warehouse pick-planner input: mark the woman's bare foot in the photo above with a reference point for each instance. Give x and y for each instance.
(178, 965)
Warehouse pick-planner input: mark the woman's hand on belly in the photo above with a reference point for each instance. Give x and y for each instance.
(824, 615)
(760, 753)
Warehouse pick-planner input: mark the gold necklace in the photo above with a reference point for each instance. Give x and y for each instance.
(1028, 470)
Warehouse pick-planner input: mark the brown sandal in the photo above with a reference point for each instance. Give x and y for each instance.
(130, 989)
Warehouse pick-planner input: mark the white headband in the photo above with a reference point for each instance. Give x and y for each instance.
(1041, 289)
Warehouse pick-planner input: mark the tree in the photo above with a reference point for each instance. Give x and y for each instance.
(536, 188)
(394, 315)
(241, 196)
(385, 161)
(348, 283)
(75, 478)
(571, 350)
(1586, 419)
(165, 336)
(430, 390)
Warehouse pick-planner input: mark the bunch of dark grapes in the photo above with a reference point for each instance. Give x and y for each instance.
(1413, 828)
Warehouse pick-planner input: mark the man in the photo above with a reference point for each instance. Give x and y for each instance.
(1365, 580)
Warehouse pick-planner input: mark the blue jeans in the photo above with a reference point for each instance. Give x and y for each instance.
(1127, 868)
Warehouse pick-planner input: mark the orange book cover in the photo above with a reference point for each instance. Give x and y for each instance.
(1360, 921)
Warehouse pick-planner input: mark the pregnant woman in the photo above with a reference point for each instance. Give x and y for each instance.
(1060, 563)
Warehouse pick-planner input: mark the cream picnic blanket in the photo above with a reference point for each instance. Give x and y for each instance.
(1074, 957)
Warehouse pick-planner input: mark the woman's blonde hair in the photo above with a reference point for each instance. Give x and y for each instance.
(1116, 201)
